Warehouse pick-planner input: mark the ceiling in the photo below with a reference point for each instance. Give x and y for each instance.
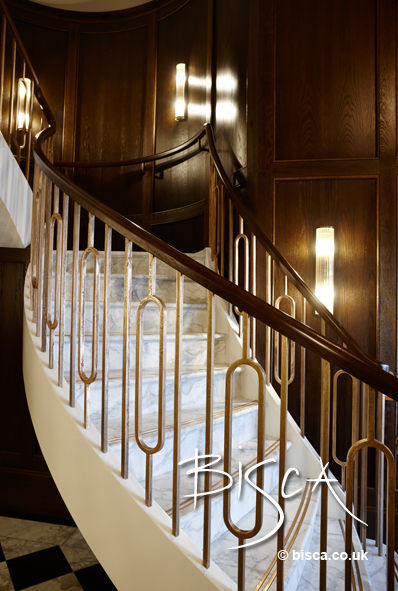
(91, 5)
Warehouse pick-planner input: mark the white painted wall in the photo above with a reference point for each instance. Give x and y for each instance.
(134, 543)
(15, 201)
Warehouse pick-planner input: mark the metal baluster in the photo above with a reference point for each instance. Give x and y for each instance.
(209, 428)
(242, 535)
(74, 313)
(52, 323)
(303, 354)
(380, 472)
(128, 262)
(48, 198)
(324, 449)
(282, 456)
(177, 402)
(61, 344)
(148, 450)
(105, 338)
(88, 379)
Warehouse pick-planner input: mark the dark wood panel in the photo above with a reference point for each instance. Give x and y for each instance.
(351, 207)
(26, 488)
(325, 80)
(50, 67)
(111, 110)
(230, 79)
(182, 37)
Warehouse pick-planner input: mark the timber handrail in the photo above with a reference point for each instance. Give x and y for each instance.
(355, 362)
(296, 279)
(293, 329)
(247, 215)
(140, 159)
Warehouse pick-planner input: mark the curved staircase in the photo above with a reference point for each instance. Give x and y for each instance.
(138, 361)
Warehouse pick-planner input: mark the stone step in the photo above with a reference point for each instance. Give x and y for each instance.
(192, 435)
(165, 289)
(335, 568)
(194, 351)
(299, 520)
(140, 262)
(191, 518)
(193, 390)
(194, 318)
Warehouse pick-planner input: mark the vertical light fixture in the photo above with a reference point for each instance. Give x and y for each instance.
(324, 278)
(24, 109)
(181, 84)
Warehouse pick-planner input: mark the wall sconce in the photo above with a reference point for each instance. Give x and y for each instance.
(181, 84)
(24, 109)
(324, 279)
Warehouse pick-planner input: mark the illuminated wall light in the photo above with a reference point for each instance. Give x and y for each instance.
(181, 83)
(24, 104)
(324, 280)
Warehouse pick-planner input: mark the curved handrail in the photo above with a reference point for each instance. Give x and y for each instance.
(139, 160)
(304, 335)
(296, 279)
(354, 362)
(249, 218)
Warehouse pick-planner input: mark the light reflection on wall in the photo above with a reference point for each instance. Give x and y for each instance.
(226, 106)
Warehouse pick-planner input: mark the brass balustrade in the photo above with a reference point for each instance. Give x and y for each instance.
(285, 336)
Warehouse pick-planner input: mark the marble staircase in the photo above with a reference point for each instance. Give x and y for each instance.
(301, 510)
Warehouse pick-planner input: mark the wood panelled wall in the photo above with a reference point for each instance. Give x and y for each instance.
(111, 81)
(27, 488)
(322, 150)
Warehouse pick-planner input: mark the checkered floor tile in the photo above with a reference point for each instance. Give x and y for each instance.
(47, 557)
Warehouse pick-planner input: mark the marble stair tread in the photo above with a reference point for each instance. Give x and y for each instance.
(336, 568)
(194, 350)
(140, 261)
(191, 516)
(299, 519)
(193, 388)
(193, 320)
(244, 453)
(192, 437)
(165, 288)
(190, 415)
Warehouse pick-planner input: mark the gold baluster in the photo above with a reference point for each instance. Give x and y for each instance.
(61, 344)
(241, 534)
(105, 338)
(209, 428)
(88, 379)
(177, 402)
(150, 450)
(74, 304)
(128, 260)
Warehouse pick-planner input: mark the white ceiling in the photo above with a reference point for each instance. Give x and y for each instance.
(91, 5)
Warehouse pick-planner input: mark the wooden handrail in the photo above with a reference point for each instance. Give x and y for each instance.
(351, 362)
(249, 218)
(354, 362)
(140, 159)
(295, 278)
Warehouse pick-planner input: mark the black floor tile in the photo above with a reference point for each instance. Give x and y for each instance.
(38, 567)
(94, 578)
(2, 557)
